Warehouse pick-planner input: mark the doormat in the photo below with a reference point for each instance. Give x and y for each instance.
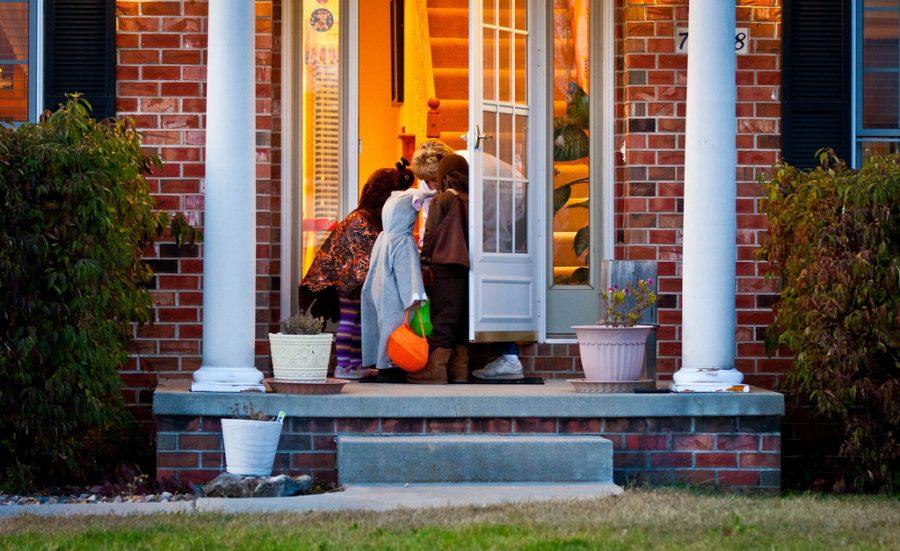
(396, 376)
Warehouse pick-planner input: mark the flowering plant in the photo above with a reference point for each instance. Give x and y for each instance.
(624, 307)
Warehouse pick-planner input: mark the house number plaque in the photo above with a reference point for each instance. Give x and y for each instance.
(741, 40)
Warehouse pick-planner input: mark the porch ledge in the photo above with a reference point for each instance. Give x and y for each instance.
(554, 399)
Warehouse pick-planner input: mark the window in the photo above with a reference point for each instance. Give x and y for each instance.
(18, 60)
(877, 77)
(320, 88)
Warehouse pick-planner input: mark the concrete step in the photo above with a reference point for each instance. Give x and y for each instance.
(470, 458)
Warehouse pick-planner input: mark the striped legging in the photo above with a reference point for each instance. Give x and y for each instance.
(348, 340)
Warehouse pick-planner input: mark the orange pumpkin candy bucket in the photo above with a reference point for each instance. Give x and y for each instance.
(407, 350)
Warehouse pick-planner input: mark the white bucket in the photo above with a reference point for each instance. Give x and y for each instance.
(301, 358)
(611, 354)
(250, 446)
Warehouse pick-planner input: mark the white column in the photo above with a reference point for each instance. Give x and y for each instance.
(229, 233)
(708, 278)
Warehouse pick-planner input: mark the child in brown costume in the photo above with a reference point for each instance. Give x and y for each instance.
(446, 250)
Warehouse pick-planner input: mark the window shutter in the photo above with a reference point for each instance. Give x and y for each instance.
(80, 53)
(816, 79)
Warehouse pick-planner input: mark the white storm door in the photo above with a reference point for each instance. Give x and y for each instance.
(503, 288)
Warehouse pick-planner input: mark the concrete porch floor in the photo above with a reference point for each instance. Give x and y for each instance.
(553, 399)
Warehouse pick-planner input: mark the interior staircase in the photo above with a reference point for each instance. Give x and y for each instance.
(448, 25)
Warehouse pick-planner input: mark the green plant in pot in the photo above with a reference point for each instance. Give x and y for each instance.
(301, 351)
(613, 350)
(571, 142)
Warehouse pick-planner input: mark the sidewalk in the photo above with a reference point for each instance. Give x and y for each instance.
(355, 498)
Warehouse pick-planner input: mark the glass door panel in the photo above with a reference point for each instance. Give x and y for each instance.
(574, 196)
(503, 291)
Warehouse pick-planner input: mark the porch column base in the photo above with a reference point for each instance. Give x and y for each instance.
(228, 379)
(709, 379)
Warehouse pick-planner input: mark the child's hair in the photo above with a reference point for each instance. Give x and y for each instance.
(453, 173)
(425, 160)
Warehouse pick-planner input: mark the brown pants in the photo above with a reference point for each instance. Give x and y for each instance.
(449, 306)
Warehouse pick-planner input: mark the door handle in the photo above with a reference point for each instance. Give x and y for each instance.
(479, 137)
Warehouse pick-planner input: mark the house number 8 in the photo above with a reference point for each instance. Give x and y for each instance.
(741, 37)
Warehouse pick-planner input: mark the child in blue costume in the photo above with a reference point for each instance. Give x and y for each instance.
(394, 282)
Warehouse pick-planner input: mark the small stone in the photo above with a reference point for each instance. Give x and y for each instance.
(166, 496)
(53, 500)
(92, 497)
(118, 499)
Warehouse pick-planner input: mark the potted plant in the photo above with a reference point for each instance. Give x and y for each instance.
(301, 351)
(613, 350)
(251, 439)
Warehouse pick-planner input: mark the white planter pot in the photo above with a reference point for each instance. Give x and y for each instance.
(250, 446)
(611, 354)
(301, 358)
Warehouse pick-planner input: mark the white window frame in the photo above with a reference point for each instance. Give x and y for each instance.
(35, 57)
(861, 135)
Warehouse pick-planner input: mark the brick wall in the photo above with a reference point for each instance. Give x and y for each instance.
(161, 83)
(651, 83)
(161, 77)
(740, 453)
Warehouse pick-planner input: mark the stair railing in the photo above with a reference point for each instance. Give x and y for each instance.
(425, 46)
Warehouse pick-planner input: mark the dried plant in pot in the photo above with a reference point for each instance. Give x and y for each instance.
(301, 351)
(250, 439)
(613, 350)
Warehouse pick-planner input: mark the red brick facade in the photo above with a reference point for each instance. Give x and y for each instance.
(161, 77)
(742, 453)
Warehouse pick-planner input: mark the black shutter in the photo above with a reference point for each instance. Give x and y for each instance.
(80, 53)
(816, 79)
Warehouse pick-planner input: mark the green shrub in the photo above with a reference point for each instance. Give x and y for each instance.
(75, 213)
(834, 245)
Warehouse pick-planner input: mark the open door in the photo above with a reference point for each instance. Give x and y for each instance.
(503, 287)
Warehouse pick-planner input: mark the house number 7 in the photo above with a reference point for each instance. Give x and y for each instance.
(741, 39)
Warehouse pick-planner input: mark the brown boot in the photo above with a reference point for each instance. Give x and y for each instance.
(459, 364)
(435, 371)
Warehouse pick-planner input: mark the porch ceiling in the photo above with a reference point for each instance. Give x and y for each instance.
(553, 399)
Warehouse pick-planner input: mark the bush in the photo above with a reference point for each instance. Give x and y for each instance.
(834, 245)
(76, 212)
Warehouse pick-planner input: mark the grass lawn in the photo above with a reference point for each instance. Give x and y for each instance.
(638, 519)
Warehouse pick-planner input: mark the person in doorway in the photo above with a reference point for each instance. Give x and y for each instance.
(394, 283)
(341, 265)
(505, 366)
(446, 251)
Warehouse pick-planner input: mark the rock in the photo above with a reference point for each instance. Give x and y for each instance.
(282, 486)
(165, 496)
(230, 485)
(118, 499)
